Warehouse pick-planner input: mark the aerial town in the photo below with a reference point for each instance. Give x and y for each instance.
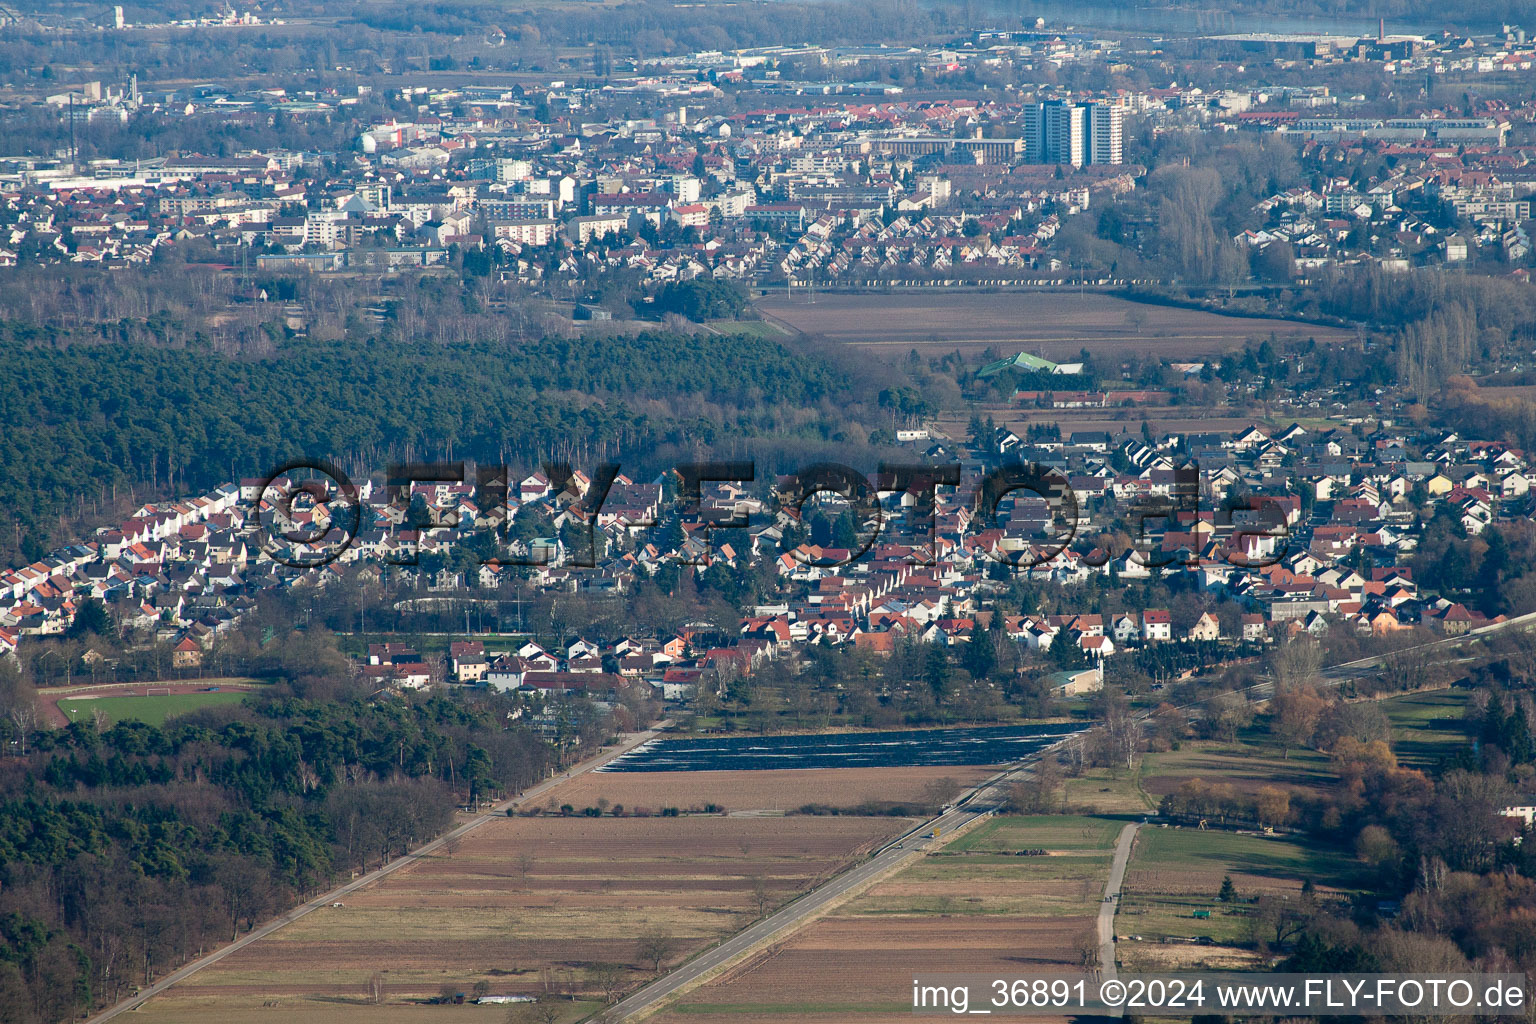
(773, 510)
(1324, 538)
(827, 180)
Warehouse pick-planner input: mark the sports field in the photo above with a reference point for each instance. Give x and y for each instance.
(154, 709)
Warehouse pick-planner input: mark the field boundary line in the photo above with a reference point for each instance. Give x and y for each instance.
(790, 331)
(792, 927)
(1141, 789)
(777, 936)
(499, 810)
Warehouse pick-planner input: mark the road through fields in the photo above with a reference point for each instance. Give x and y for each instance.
(338, 894)
(984, 800)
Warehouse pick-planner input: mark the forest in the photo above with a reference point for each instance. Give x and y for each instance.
(93, 422)
(125, 851)
(1432, 836)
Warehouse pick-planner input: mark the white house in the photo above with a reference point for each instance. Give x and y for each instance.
(1156, 624)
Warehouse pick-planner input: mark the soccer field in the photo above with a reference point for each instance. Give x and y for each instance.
(153, 710)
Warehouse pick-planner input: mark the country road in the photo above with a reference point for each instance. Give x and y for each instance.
(1361, 667)
(1111, 904)
(985, 799)
(336, 895)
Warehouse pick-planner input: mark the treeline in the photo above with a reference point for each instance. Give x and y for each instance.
(1437, 841)
(331, 53)
(1485, 412)
(1442, 323)
(986, 679)
(1451, 883)
(1198, 195)
(41, 131)
(127, 851)
(650, 27)
(1418, 11)
(1198, 800)
(1370, 293)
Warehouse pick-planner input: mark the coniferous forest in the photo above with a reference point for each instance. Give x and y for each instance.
(93, 421)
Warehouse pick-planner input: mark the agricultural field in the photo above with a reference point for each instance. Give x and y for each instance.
(781, 790)
(1053, 324)
(1101, 791)
(341, 1009)
(528, 906)
(153, 709)
(975, 904)
(1246, 766)
(1492, 391)
(1176, 873)
(1427, 727)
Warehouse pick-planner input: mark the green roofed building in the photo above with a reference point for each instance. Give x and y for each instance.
(1022, 361)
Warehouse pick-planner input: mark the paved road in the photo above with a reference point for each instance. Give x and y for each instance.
(985, 799)
(338, 894)
(1111, 902)
(1362, 667)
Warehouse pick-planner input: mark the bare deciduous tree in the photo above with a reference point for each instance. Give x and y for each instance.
(1226, 714)
(607, 978)
(763, 898)
(1075, 755)
(1042, 792)
(1122, 732)
(1296, 663)
(1410, 669)
(655, 946)
(1293, 716)
(18, 703)
(1086, 946)
(1274, 922)
(23, 718)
